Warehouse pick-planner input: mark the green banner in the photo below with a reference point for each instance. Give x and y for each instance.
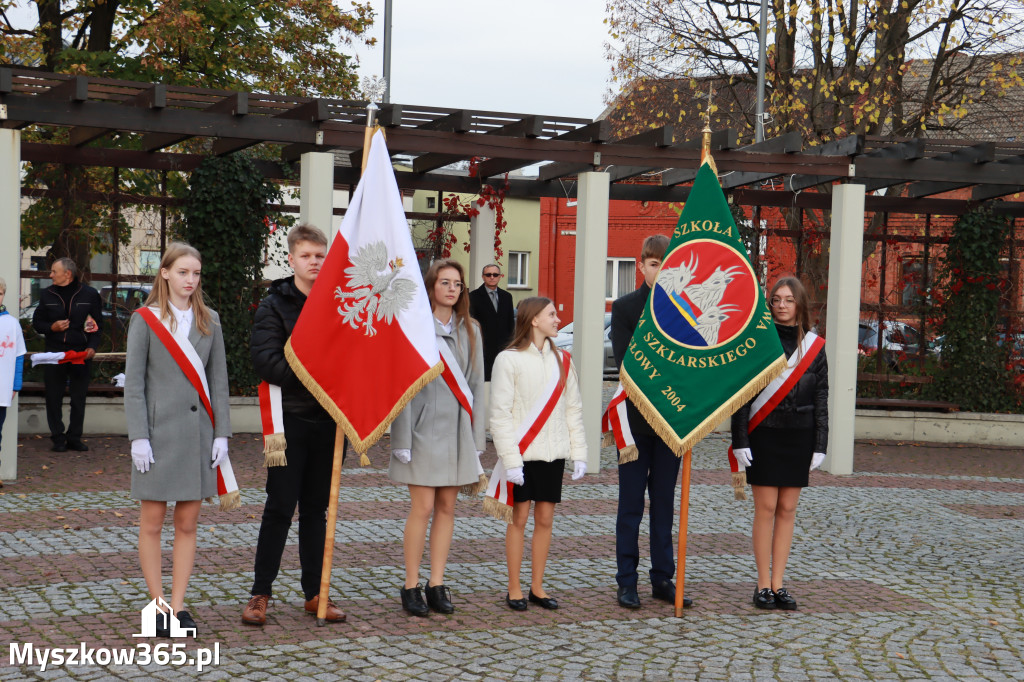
(705, 343)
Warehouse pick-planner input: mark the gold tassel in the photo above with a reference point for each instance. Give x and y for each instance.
(364, 461)
(739, 485)
(667, 434)
(498, 510)
(628, 454)
(230, 501)
(273, 451)
(475, 488)
(607, 438)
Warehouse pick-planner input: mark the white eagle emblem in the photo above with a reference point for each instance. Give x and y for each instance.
(376, 290)
(707, 295)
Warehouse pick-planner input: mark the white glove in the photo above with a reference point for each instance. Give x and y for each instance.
(816, 459)
(744, 456)
(579, 467)
(516, 476)
(220, 452)
(404, 456)
(142, 454)
(479, 466)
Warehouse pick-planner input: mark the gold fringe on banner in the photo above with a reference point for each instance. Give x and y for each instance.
(230, 501)
(628, 454)
(498, 510)
(739, 485)
(273, 451)
(474, 489)
(360, 445)
(680, 444)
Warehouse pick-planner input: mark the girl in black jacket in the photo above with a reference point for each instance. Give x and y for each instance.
(783, 448)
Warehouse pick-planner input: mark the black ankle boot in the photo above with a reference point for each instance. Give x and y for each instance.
(439, 598)
(412, 601)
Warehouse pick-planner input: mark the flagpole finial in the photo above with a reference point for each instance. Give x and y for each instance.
(373, 92)
(705, 149)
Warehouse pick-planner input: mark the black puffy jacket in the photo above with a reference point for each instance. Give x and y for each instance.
(271, 327)
(804, 407)
(75, 303)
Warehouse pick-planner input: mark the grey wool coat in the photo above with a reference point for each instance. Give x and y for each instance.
(436, 429)
(163, 406)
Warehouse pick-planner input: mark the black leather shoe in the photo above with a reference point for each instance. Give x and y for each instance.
(666, 591)
(784, 600)
(163, 624)
(545, 602)
(60, 447)
(412, 601)
(439, 598)
(764, 598)
(628, 598)
(515, 604)
(185, 620)
(77, 446)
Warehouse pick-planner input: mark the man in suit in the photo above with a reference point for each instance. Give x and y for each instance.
(656, 468)
(492, 308)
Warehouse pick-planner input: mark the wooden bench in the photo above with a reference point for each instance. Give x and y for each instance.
(38, 388)
(907, 404)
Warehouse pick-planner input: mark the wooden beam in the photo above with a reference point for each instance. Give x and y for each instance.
(790, 143)
(979, 153)
(598, 131)
(153, 97)
(6, 81)
(75, 89)
(456, 122)
(720, 139)
(235, 104)
(528, 126)
(658, 137)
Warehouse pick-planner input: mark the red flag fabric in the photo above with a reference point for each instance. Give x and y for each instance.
(365, 344)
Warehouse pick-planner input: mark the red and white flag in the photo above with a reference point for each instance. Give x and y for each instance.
(364, 344)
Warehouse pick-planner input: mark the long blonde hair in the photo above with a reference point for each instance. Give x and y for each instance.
(461, 307)
(160, 295)
(522, 337)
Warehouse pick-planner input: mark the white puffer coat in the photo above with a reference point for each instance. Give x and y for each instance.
(518, 380)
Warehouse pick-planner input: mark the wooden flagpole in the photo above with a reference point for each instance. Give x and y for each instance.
(684, 522)
(339, 442)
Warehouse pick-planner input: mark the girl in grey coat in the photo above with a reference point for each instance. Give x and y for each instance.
(175, 447)
(435, 446)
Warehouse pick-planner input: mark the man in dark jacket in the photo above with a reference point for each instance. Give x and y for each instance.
(493, 309)
(308, 429)
(70, 316)
(656, 468)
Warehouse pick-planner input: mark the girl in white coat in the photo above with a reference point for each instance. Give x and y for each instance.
(522, 378)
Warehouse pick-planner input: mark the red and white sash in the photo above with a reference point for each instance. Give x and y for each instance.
(498, 500)
(453, 376)
(769, 398)
(188, 361)
(272, 424)
(615, 427)
(74, 357)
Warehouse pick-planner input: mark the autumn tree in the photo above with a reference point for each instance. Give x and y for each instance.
(291, 47)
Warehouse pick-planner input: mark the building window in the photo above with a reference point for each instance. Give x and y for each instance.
(518, 269)
(619, 277)
(914, 283)
(149, 261)
(432, 202)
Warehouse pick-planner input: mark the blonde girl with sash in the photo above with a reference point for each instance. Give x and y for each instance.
(780, 437)
(436, 440)
(536, 420)
(176, 403)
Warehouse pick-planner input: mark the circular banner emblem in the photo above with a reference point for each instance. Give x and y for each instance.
(705, 296)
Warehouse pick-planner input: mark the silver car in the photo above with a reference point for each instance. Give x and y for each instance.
(564, 341)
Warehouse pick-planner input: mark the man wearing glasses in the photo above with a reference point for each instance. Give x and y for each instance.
(492, 308)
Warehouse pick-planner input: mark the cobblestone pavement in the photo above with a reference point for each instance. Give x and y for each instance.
(909, 569)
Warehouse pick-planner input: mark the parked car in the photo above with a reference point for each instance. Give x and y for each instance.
(898, 340)
(564, 341)
(129, 298)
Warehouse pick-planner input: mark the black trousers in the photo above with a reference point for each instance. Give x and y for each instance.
(305, 482)
(76, 378)
(655, 472)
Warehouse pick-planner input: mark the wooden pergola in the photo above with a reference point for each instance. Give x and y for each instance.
(85, 113)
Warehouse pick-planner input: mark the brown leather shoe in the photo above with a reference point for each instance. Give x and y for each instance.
(255, 612)
(334, 613)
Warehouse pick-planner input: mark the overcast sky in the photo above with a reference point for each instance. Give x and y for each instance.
(525, 56)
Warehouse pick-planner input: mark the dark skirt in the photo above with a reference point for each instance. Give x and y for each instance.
(781, 457)
(543, 482)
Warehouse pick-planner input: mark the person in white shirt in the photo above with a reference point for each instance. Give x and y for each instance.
(12, 357)
(524, 379)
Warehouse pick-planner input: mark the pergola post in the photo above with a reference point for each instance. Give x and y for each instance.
(10, 268)
(589, 304)
(845, 261)
(481, 244)
(316, 205)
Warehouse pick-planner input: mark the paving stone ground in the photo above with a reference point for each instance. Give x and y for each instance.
(910, 569)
